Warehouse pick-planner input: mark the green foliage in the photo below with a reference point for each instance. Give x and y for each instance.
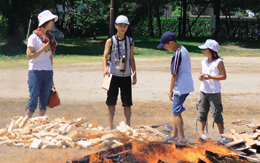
(3, 26)
(241, 14)
(91, 17)
(176, 12)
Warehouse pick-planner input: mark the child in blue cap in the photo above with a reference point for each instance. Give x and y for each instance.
(181, 83)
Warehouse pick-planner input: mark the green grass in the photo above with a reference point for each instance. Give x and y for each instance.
(81, 50)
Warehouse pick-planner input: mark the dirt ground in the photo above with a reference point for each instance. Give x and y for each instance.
(79, 87)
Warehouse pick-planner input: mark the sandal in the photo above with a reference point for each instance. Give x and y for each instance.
(169, 139)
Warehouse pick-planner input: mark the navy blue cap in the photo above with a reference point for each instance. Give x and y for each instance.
(166, 38)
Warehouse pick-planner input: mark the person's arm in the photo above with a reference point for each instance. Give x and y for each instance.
(173, 80)
(51, 57)
(106, 53)
(201, 77)
(222, 76)
(132, 63)
(31, 54)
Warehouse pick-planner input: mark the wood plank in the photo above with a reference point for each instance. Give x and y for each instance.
(236, 134)
(255, 135)
(254, 126)
(10, 128)
(249, 142)
(18, 121)
(36, 143)
(249, 158)
(241, 122)
(23, 121)
(228, 136)
(255, 121)
(228, 145)
(234, 137)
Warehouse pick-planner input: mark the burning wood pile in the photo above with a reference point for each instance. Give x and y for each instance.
(123, 144)
(160, 152)
(40, 133)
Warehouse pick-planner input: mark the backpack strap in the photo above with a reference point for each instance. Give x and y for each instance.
(130, 43)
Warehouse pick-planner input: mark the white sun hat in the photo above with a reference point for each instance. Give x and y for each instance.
(211, 44)
(122, 19)
(45, 16)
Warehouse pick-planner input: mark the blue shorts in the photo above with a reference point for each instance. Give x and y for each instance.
(178, 101)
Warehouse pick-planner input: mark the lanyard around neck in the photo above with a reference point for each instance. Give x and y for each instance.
(119, 49)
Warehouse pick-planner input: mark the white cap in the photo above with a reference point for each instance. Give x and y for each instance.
(122, 19)
(211, 44)
(45, 16)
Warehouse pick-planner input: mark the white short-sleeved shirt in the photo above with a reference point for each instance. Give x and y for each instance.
(210, 86)
(43, 61)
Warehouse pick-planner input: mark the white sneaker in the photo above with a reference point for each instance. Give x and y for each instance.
(223, 139)
(204, 137)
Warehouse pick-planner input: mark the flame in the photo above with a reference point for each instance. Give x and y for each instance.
(145, 152)
(169, 153)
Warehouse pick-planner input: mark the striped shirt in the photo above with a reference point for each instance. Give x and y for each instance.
(176, 62)
(181, 66)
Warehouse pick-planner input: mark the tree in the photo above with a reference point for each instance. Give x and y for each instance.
(18, 13)
(90, 16)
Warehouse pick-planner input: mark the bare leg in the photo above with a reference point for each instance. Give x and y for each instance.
(111, 110)
(174, 130)
(202, 127)
(42, 112)
(220, 128)
(178, 121)
(127, 111)
(30, 114)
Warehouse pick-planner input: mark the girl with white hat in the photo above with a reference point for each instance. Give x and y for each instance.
(40, 46)
(212, 71)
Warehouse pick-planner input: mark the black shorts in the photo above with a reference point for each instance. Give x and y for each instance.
(125, 85)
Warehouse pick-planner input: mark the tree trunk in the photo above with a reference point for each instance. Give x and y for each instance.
(158, 20)
(216, 6)
(185, 5)
(112, 19)
(14, 35)
(226, 14)
(150, 20)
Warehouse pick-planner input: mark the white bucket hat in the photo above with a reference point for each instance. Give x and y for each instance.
(122, 19)
(45, 16)
(211, 44)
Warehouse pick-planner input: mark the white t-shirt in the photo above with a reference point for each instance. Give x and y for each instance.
(210, 86)
(43, 61)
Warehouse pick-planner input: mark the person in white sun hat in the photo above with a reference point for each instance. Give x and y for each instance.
(40, 47)
(121, 62)
(212, 71)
